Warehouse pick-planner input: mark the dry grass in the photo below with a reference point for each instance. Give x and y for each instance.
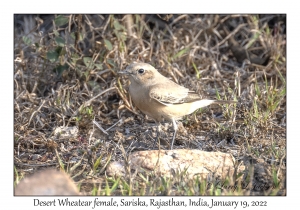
(66, 75)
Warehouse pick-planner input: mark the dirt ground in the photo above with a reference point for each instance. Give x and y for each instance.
(67, 88)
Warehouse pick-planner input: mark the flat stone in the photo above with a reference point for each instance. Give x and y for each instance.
(205, 165)
(47, 182)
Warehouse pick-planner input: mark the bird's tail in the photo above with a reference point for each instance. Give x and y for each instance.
(205, 102)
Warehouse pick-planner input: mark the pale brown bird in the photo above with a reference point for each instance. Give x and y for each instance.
(160, 98)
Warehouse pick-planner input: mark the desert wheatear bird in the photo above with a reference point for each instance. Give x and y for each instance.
(160, 98)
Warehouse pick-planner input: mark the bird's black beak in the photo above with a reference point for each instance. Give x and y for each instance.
(124, 72)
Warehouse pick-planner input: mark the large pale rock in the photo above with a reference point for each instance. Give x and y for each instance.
(47, 182)
(206, 165)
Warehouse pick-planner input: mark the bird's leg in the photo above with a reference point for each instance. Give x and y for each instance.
(158, 129)
(175, 131)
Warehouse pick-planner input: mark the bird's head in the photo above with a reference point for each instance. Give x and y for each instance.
(142, 73)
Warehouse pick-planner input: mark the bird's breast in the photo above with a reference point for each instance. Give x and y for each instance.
(142, 100)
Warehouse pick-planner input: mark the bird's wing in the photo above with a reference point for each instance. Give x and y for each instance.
(172, 93)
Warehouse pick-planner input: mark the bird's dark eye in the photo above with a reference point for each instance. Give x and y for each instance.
(141, 71)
